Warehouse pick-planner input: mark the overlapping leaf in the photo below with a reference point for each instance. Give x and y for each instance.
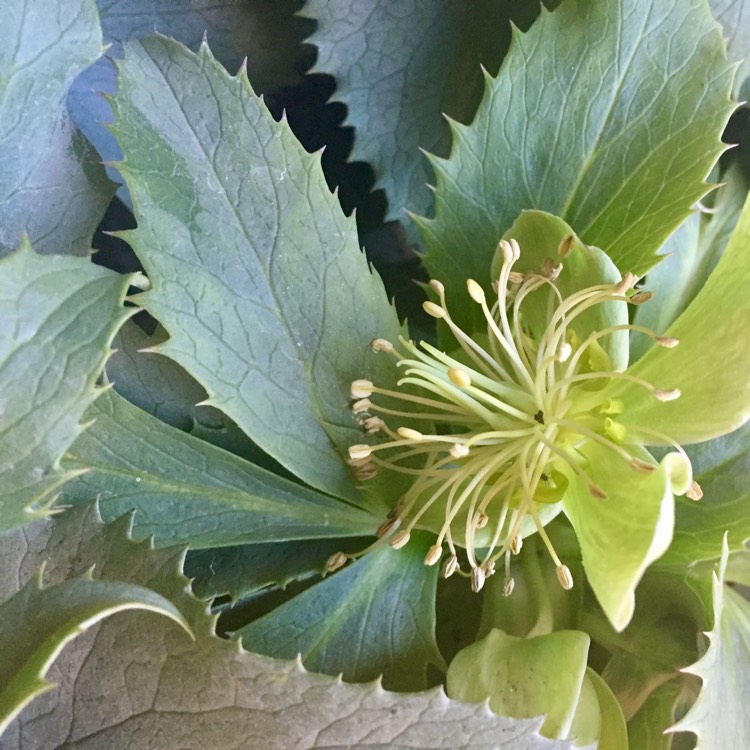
(60, 314)
(188, 491)
(606, 114)
(110, 693)
(256, 273)
(52, 187)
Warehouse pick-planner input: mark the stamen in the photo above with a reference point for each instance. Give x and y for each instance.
(668, 342)
(361, 389)
(433, 310)
(459, 377)
(400, 540)
(433, 554)
(358, 452)
(335, 561)
(640, 297)
(459, 450)
(382, 345)
(564, 577)
(450, 566)
(508, 585)
(670, 395)
(408, 434)
(362, 406)
(694, 491)
(477, 579)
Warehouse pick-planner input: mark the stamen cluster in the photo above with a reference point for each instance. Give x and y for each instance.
(506, 419)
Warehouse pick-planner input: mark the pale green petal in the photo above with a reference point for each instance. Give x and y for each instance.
(711, 365)
(539, 234)
(621, 535)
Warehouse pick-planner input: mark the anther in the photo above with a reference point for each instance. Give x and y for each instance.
(387, 527)
(450, 566)
(508, 585)
(381, 345)
(437, 286)
(516, 544)
(477, 579)
(551, 270)
(365, 471)
(362, 406)
(400, 539)
(564, 577)
(358, 452)
(508, 253)
(372, 425)
(597, 492)
(408, 434)
(539, 417)
(640, 297)
(642, 467)
(432, 309)
(335, 561)
(664, 395)
(475, 291)
(488, 568)
(668, 342)
(567, 243)
(694, 491)
(481, 519)
(459, 377)
(433, 554)
(459, 450)
(564, 352)
(362, 389)
(626, 282)
(516, 277)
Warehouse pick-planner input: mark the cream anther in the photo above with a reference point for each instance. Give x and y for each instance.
(400, 540)
(450, 566)
(509, 255)
(481, 519)
(433, 554)
(477, 579)
(359, 452)
(694, 491)
(516, 277)
(516, 544)
(437, 286)
(508, 585)
(564, 352)
(335, 561)
(475, 291)
(668, 342)
(381, 345)
(433, 310)
(459, 377)
(564, 577)
(488, 568)
(664, 395)
(372, 425)
(459, 450)
(362, 406)
(362, 389)
(408, 434)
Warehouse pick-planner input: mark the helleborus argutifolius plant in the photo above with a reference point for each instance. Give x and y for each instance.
(539, 413)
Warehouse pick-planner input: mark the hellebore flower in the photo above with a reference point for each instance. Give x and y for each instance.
(538, 413)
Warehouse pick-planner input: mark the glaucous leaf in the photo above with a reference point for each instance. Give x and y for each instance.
(52, 186)
(188, 491)
(375, 617)
(257, 275)
(59, 315)
(734, 17)
(109, 679)
(606, 114)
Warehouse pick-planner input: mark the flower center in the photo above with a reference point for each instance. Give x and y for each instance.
(486, 430)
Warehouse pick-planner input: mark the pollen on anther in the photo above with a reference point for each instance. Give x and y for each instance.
(564, 577)
(640, 297)
(477, 579)
(508, 585)
(664, 395)
(450, 566)
(335, 561)
(362, 406)
(459, 377)
(381, 345)
(516, 544)
(372, 425)
(481, 519)
(564, 352)
(694, 491)
(407, 433)
(668, 342)
(433, 554)
(361, 389)
(475, 291)
(459, 450)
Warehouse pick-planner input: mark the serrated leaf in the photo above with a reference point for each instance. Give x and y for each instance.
(52, 187)
(396, 90)
(37, 623)
(265, 33)
(722, 468)
(606, 114)
(692, 251)
(59, 316)
(256, 273)
(734, 17)
(719, 716)
(209, 692)
(188, 491)
(375, 617)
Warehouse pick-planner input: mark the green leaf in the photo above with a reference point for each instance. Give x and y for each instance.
(712, 358)
(646, 730)
(613, 733)
(396, 91)
(187, 491)
(606, 114)
(638, 507)
(52, 187)
(723, 472)
(256, 273)
(692, 253)
(253, 701)
(734, 17)
(719, 716)
(59, 316)
(37, 623)
(375, 617)
(539, 235)
(499, 668)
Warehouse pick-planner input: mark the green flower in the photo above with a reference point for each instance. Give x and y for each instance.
(534, 414)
